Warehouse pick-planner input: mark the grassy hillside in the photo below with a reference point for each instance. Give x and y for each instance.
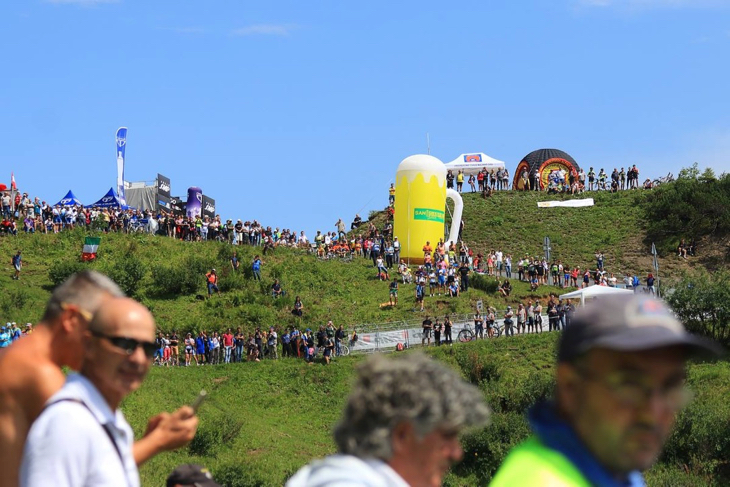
(167, 275)
(346, 292)
(265, 420)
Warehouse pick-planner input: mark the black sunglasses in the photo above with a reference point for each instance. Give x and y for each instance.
(129, 345)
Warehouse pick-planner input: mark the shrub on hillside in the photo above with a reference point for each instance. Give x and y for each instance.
(63, 269)
(484, 283)
(14, 300)
(692, 207)
(128, 272)
(232, 281)
(182, 277)
(701, 301)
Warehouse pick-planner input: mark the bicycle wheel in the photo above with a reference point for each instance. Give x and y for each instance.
(466, 335)
(344, 350)
(497, 331)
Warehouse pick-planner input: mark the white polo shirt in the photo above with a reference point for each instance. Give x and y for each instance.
(68, 446)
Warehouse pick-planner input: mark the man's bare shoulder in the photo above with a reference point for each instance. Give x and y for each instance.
(29, 377)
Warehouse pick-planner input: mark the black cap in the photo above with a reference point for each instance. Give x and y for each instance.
(629, 323)
(191, 474)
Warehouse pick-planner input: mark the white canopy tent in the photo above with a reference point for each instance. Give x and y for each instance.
(473, 162)
(594, 291)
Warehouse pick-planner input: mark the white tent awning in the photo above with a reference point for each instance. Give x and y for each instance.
(474, 162)
(594, 291)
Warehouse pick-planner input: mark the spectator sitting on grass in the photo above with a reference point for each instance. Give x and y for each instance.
(454, 290)
(276, 290)
(405, 273)
(506, 288)
(298, 307)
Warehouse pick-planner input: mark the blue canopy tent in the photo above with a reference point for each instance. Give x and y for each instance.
(109, 200)
(69, 200)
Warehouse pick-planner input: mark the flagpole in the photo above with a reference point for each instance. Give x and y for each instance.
(13, 189)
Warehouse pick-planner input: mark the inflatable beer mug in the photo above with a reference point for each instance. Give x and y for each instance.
(420, 203)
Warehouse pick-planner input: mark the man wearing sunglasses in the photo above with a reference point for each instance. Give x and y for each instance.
(620, 382)
(81, 436)
(31, 371)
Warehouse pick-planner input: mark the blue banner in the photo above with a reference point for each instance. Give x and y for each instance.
(121, 149)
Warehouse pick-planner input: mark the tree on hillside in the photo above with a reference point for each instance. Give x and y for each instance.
(701, 300)
(694, 206)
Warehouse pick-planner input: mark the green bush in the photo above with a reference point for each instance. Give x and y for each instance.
(484, 283)
(128, 272)
(61, 270)
(232, 281)
(13, 300)
(186, 276)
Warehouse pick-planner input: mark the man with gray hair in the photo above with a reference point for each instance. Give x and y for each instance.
(31, 371)
(400, 426)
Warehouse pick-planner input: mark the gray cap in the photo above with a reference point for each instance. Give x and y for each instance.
(629, 323)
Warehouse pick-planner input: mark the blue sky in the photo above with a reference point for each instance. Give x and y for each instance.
(298, 113)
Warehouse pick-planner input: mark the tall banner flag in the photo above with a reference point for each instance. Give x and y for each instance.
(13, 186)
(121, 147)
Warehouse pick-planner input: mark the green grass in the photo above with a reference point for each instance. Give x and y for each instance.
(265, 420)
(513, 222)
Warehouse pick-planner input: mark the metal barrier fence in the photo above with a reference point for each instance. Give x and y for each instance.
(385, 337)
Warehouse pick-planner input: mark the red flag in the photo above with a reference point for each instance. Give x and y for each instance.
(13, 186)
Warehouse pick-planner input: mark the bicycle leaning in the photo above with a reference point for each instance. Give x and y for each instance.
(467, 333)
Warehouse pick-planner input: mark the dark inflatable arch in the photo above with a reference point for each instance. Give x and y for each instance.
(544, 161)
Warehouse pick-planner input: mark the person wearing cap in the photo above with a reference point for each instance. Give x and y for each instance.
(620, 383)
(191, 475)
(400, 426)
(211, 279)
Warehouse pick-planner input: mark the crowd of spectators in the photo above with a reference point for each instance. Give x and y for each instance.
(227, 346)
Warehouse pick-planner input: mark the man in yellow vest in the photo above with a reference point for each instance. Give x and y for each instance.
(620, 382)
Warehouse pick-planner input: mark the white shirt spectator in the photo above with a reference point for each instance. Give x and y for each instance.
(68, 446)
(347, 470)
